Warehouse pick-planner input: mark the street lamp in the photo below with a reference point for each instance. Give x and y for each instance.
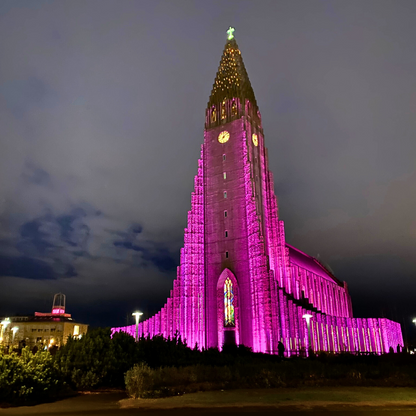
(4, 325)
(137, 316)
(307, 318)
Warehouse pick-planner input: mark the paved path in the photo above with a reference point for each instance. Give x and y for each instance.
(108, 404)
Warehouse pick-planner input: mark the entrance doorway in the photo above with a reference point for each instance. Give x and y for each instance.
(229, 337)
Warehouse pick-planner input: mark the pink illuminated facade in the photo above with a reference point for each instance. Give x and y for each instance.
(238, 280)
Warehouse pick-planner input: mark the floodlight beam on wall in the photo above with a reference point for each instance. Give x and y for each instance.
(4, 324)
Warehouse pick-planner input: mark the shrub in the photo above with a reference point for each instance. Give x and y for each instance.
(139, 380)
(29, 377)
(97, 359)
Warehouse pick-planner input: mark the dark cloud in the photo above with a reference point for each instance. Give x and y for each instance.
(36, 175)
(151, 252)
(26, 267)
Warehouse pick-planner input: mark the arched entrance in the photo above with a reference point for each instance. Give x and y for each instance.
(228, 309)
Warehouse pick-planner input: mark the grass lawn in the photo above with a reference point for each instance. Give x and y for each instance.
(308, 397)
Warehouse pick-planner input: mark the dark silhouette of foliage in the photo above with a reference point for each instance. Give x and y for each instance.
(29, 377)
(97, 359)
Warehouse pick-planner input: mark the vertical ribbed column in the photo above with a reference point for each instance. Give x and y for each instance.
(259, 274)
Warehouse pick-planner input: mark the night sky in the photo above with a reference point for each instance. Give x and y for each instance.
(102, 106)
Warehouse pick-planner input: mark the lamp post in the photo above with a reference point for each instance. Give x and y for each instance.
(407, 348)
(4, 324)
(137, 316)
(307, 318)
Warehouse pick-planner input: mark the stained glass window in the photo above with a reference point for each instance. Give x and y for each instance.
(229, 319)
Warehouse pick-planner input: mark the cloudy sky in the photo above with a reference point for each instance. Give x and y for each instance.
(102, 112)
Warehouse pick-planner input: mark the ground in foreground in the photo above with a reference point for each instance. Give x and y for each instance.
(306, 398)
(309, 401)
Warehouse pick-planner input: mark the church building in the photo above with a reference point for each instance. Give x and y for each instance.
(238, 281)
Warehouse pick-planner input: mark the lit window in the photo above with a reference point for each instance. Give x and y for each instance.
(225, 194)
(213, 115)
(76, 330)
(225, 175)
(229, 317)
(226, 233)
(226, 254)
(225, 214)
(234, 109)
(223, 111)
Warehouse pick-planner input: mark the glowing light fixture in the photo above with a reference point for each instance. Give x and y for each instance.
(230, 33)
(307, 317)
(5, 322)
(137, 316)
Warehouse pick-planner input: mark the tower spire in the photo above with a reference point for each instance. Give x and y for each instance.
(231, 80)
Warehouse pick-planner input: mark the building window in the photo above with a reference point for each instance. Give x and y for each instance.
(226, 233)
(223, 157)
(234, 109)
(213, 115)
(225, 175)
(226, 254)
(229, 316)
(52, 329)
(225, 214)
(225, 194)
(223, 111)
(76, 330)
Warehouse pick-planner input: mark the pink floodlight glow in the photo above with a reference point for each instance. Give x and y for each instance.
(238, 280)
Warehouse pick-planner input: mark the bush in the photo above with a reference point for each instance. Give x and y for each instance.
(29, 377)
(97, 360)
(139, 380)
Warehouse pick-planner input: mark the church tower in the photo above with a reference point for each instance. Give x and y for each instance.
(234, 171)
(238, 281)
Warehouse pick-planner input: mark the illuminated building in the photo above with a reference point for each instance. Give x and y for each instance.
(42, 329)
(238, 281)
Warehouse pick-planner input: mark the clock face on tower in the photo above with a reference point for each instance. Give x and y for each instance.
(255, 139)
(223, 136)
